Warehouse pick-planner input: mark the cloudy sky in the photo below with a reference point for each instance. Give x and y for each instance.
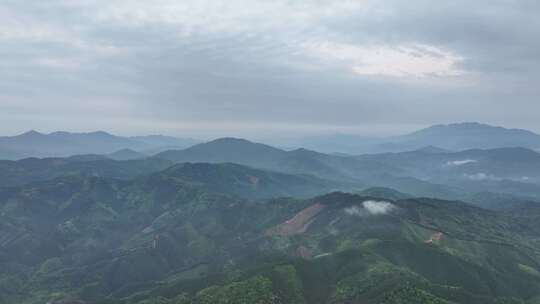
(207, 68)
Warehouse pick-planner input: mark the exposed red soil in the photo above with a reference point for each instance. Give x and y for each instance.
(434, 238)
(304, 252)
(299, 223)
(253, 180)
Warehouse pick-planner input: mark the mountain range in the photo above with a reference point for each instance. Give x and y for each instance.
(61, 144)
(429, 171)
(192, 234)
(452, 137)
(235, 221)
(424, 172)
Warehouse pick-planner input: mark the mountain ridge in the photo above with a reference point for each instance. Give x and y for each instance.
(450, 137)
(98, 240)
(61, 144)
(463, 136)
(453, 137)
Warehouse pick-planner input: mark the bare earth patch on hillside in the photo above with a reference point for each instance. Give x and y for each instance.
(299, 223)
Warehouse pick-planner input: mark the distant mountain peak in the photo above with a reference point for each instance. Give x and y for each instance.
(65, 143)
(125, 154)
(467, 124)
(471, 126)
(126, 150)
(93, 133)
(432, 149)
(464, 136)
(32, 133)
(60, 133)
(99, 132)
(231, 140)
(304, 151)
(461, 126)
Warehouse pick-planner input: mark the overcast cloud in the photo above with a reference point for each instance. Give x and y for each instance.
(260, 68)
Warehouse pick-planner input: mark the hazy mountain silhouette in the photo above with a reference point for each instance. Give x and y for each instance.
(438, 138)
(463, 136)
(60, 144)
(126, 154)
(454, 137)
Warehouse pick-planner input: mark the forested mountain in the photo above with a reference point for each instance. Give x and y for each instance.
(233, 221)
(263, 156)
(430, 172)
(167, 239)
(508, 170)
(14, 173)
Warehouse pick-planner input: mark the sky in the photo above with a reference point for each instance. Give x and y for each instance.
(210, 68)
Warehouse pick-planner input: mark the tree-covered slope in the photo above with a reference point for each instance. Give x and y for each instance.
(15, 173)
(425, 172)
(249, 182)
(168, 238)
(300, 161)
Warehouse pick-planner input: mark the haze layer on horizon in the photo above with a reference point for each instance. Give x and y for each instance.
(210, 68)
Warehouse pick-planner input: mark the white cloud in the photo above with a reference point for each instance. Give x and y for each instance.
(415, 60)
(18, 29)
(460, 162)
(233, 16)
(378, 207)
(354, 210)
(481, 177)
(189, 62)
(371, 208)
(59, 63)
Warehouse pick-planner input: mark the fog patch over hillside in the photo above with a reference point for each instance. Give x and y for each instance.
(461, 162)
(371, 208)
(482, 177)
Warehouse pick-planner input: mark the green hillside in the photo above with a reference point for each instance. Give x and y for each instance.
(170, 238)
(88, 229)
(16, 173)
